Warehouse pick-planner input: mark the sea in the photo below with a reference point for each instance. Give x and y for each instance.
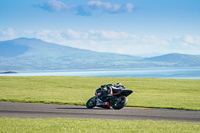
(166, 73)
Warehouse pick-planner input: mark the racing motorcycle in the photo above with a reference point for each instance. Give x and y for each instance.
(118, 100)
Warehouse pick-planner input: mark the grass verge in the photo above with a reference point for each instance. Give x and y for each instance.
(54, 125)
(152, 93)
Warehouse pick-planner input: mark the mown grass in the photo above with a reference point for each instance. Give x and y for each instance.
(156, 93)
(67, 125)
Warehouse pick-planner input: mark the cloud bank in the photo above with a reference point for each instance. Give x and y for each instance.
(90, 8)
(7, 33)
(112, 41)
(120, 42)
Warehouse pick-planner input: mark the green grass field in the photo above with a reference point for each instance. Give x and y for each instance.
(156, 93)
(66, 125)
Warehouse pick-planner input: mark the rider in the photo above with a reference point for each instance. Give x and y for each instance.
(107, 90)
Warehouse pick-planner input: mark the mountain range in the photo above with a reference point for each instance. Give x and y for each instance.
(24, 54)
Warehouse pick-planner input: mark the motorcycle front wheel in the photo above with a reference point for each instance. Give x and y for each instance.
(91, 103)
(119, 104)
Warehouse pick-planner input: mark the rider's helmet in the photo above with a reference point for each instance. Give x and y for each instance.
(118, 84)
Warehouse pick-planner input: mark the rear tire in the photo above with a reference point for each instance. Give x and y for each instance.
(91, 103)
(120, 104)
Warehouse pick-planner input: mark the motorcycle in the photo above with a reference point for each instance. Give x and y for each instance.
(117, 101)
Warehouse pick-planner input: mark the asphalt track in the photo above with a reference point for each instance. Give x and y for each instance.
(34, 110)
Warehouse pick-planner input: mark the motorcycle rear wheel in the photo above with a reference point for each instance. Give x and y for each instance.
(91, 103)
(120, 104)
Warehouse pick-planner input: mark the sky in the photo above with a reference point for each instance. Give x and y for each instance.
(133, 27)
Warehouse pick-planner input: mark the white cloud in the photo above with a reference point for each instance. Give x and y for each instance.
(77, 35)
(192, 39)
(55, 6)
(104, 6)
(129, 7)
(109, 8)
(92, 42)
(46, 35)
(112, 34)
(108, 34)
(8, 32)
(111, 41)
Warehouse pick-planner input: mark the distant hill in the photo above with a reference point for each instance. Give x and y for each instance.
(34, 54)
(177, 60)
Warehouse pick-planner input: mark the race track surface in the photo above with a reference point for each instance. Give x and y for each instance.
(33, 110)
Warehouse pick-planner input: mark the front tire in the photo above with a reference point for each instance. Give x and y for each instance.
(120, 103)
(91, 103)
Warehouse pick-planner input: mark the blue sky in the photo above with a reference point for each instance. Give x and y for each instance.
(136, 27)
